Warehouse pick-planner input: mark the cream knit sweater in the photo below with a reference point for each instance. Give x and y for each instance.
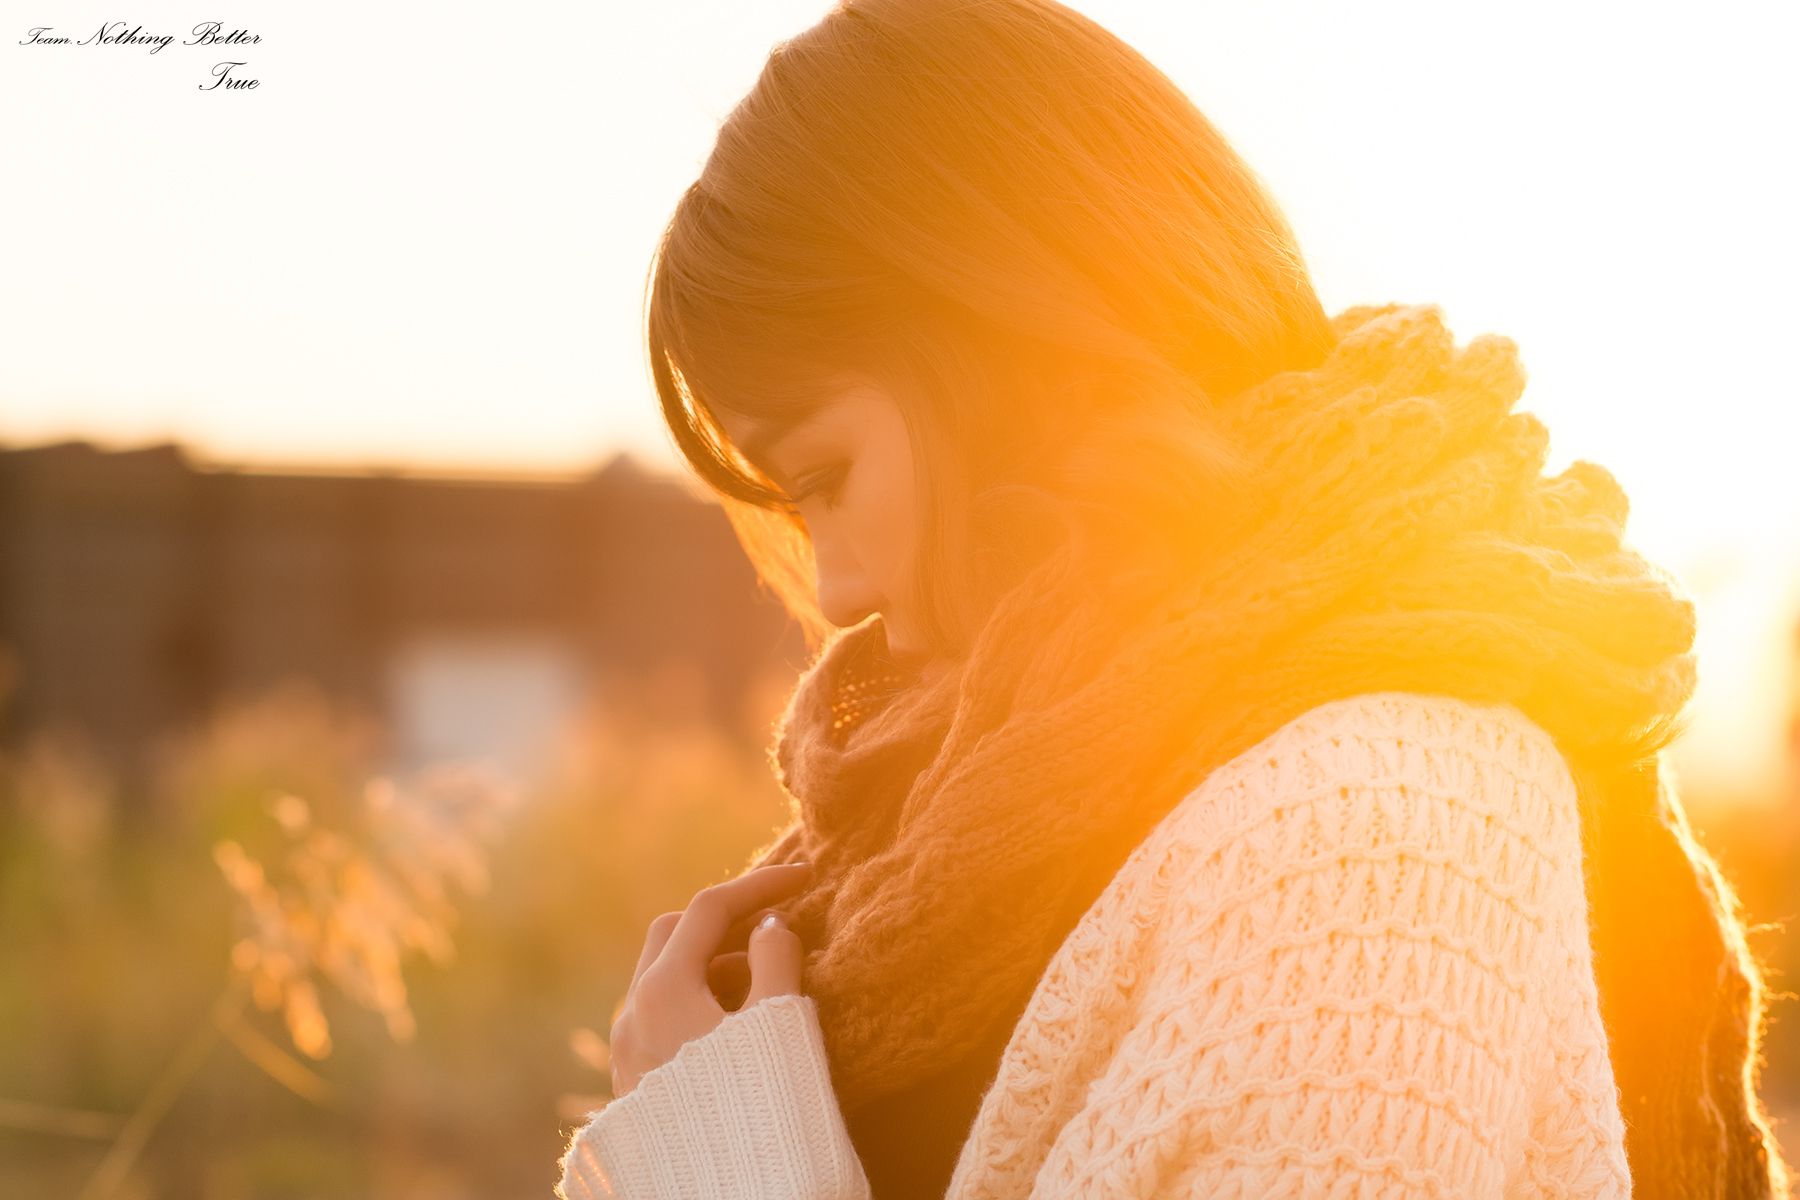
(1354, 962)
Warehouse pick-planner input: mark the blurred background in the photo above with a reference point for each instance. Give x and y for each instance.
(371, 675)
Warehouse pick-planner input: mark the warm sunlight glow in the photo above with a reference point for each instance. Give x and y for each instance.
(900, 597)
(442, 265)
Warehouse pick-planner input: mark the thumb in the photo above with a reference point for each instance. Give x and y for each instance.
(776, 957)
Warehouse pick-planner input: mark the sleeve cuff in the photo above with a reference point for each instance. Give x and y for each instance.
(744, 1112)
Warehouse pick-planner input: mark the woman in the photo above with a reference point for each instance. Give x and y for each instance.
(1231, 767)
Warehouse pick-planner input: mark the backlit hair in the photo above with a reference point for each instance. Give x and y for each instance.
(1021, 227)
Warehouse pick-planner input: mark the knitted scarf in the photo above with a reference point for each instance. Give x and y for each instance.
(1402, 536)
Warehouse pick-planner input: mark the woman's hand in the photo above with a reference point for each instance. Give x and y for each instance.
(670, 1001)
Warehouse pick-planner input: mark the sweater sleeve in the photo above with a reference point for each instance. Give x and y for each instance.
(743, 1112)
(1355, 983)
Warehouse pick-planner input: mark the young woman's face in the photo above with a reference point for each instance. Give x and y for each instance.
(849, 467)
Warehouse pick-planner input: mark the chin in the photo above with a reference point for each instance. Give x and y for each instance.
(906, 655)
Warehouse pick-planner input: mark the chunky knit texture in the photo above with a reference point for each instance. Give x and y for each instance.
(1354, 962)
(1393, 532)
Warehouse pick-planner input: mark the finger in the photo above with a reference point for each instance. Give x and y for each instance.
(776, 959)
(655, 938)
(707, 917)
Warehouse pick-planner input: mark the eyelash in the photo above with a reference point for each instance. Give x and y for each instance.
(828, 484)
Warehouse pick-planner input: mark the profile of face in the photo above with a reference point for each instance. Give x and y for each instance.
(848, 465)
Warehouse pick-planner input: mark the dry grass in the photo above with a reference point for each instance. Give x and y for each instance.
(386, 964)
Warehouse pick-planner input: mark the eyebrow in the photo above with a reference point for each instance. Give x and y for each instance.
(757, 447)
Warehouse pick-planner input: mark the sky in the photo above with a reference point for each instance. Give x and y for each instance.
(420, 242)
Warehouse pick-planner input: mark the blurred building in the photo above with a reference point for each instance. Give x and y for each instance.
(138, 589)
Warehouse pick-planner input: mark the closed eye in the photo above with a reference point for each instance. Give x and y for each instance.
(828, 485)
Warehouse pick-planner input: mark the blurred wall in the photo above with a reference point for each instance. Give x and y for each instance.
(139, 590)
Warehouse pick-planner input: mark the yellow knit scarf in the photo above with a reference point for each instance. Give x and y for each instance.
(1403, 537)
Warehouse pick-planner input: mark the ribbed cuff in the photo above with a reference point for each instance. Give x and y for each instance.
(744, 1112)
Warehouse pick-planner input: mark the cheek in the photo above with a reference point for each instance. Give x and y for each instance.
(891, 522)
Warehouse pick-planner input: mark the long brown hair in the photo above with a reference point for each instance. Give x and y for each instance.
(1015, 220)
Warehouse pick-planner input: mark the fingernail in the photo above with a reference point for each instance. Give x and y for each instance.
(772, 921)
